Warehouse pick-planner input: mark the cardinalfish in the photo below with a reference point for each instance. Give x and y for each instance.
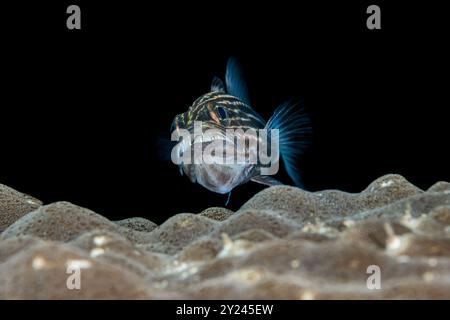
(226, 108)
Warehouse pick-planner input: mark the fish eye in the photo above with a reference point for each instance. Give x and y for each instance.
(222, 112)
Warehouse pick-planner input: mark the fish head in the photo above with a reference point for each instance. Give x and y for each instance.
(206, 126)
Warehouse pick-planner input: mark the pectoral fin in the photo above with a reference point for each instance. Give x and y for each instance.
(228, 199)
(267, 180)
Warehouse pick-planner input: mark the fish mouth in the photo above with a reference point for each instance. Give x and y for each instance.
(207, 134)
(196, 147)
(208, 138)
(198, 142)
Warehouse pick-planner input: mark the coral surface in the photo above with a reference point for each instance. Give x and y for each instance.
(392, 240)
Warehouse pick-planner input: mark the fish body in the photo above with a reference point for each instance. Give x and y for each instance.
(226, 108)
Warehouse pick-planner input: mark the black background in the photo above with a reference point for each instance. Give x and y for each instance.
(84, 113)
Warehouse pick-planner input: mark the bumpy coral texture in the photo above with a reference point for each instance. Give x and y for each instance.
(284, 243)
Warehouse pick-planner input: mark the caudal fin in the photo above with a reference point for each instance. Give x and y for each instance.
(295, 134)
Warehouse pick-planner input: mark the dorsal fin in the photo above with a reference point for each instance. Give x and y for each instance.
(235, 82)
(217, 85)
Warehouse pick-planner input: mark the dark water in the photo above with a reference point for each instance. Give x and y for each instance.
(83, 113)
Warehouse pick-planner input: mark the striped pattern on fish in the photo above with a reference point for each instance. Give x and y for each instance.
(227, 106)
